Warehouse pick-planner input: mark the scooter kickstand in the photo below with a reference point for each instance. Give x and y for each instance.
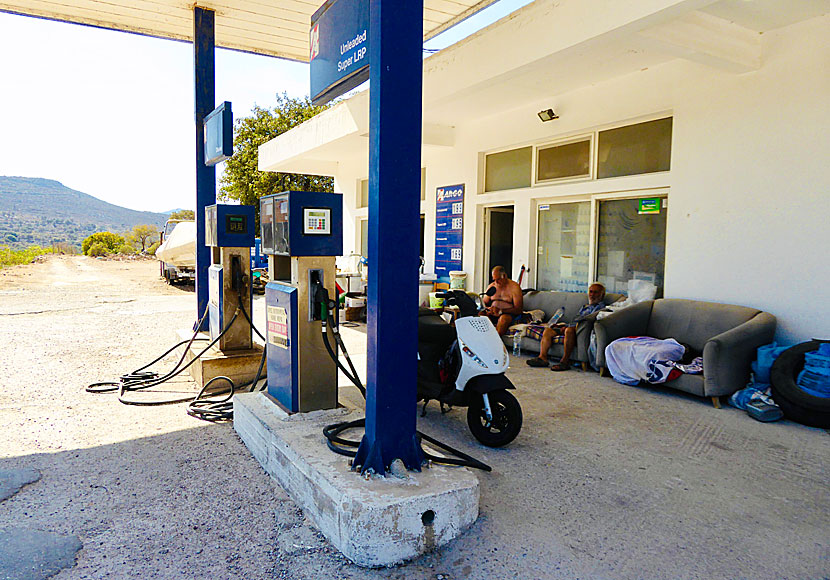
(445, 409)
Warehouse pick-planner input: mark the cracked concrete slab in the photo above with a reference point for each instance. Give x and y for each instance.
(12, 480)
(33, 555)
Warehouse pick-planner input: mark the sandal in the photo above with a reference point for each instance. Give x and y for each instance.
(560, 367)
(537, 362)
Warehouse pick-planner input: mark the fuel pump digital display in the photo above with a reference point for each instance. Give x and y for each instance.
(236, 224)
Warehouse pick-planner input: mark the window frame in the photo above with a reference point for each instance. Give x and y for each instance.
(592, 165)
(483, 168)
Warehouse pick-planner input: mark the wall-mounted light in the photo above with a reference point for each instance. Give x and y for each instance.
(548, 115)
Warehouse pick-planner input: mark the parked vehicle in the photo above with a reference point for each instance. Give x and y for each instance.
(463, 366)
(177, 251)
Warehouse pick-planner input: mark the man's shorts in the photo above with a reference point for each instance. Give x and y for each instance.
(536, 330)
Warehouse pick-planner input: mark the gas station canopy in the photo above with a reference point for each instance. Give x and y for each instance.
(277, 28)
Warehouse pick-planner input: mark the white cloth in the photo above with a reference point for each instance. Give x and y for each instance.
(634, 359)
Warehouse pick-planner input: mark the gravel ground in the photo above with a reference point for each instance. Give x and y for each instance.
(605, 481)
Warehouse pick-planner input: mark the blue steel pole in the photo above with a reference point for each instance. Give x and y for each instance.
(205, 83)
(396, 66)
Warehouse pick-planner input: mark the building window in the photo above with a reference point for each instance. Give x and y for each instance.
(635, 149)
(364, 238)
(631, 244)
(564, 161)
(562, 261)
(508, 169)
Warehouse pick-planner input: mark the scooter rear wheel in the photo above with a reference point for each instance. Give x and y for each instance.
(506, 423)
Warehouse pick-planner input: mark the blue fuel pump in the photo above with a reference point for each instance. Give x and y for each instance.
(301, 232)
(229, 232)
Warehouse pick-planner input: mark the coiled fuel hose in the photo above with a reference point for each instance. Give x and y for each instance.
(205, 405)
(332, 432)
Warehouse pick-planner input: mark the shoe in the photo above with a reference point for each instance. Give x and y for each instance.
(560, 367)
(537, 362)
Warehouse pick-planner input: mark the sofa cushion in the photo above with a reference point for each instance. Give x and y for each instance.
(693, 322)
(550, 301)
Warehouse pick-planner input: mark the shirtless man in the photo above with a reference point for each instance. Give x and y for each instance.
(596, 302)
(506, 304)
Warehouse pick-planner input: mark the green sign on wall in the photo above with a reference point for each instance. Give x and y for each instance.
(650, 205)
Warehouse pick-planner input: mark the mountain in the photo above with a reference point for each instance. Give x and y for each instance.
(43, 212)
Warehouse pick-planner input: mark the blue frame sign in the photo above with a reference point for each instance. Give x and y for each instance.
(339, 48)
(219, 134)
(449, 230)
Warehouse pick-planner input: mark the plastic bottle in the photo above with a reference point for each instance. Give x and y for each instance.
(517, 344)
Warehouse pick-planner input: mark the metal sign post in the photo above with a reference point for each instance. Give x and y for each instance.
(395, 73)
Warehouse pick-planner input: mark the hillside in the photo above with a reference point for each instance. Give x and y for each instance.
(43, 212)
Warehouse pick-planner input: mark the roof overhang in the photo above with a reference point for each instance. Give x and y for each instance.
(548, 48)
(277, 28)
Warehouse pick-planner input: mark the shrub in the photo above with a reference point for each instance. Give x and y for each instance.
(9, 257)
(110, 241)
(97, 249)
(152, 249)
(126, 249)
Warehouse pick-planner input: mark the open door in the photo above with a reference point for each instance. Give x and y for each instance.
(498, 240)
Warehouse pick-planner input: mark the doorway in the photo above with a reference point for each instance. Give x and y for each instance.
(498, 236)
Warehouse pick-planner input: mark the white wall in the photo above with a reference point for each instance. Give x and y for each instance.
(749, 187)
(750, 198)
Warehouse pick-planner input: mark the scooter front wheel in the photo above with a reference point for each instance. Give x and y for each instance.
(506, 422)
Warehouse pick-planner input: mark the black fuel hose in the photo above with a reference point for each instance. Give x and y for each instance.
(344, 446)
(203, 406)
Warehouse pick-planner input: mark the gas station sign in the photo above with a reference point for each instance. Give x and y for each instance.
(449, 229)
(339, 48)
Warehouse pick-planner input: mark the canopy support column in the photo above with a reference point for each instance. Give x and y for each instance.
(204, 74)
(396, 67)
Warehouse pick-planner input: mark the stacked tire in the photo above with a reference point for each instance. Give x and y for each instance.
(794, 402)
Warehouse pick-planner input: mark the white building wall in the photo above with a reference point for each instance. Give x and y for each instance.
(749, 188)
(748, 220)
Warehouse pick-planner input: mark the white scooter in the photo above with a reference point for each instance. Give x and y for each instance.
(464, 366)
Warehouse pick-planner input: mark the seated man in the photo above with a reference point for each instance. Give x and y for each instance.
(505, 304)
(567, 332)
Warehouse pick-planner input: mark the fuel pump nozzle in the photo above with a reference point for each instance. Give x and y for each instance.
(323, 305)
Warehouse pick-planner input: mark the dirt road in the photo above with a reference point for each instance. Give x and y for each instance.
(150, 492)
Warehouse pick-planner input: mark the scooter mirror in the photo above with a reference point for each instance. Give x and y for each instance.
(490, 291)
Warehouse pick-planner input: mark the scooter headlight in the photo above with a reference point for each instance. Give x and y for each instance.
(466, 350)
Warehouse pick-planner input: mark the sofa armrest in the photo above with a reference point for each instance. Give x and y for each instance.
(727, 357)
(630, 321)
(583, 337)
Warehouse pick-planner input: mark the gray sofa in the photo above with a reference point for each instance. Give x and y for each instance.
(727, 335)
(550, 302)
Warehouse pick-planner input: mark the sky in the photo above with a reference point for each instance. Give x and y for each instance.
(111, 114)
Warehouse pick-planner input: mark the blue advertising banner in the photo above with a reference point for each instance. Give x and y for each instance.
(449, 230)
(339, 53)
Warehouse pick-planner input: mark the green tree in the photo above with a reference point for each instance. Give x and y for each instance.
(241, 180)
(183, 214)
(97, 249)
(108, 240)
(141, 235)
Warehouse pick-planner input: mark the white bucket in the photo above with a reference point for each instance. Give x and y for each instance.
(458, 280)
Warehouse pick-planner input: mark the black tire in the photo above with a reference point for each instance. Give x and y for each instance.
(507, 419)
(794, 402)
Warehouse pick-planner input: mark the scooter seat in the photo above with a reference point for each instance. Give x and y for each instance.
(434, 330)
